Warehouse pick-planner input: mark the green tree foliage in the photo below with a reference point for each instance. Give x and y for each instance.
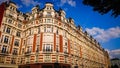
(104, 6)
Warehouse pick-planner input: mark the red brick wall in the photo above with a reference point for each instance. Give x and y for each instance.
(41, 38)
(34, 42)
(11, 45)
(21, 46)
(61, 43)
(54, 42)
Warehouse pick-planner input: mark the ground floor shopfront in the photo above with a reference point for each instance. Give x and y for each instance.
(45, 65)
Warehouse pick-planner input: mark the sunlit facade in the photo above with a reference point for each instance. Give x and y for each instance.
(46, 38)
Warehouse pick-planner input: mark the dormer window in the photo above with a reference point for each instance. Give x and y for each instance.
(47, 8)
(12, 8)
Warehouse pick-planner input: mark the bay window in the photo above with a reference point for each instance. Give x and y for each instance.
(47, 48)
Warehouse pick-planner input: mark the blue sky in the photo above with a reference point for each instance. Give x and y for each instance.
(104, 28)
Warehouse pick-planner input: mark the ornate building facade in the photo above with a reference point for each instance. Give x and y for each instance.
(45, 38)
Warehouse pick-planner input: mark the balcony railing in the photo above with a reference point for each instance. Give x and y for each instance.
(47, 50)
(49, 16)
(14, 53)
(2, 52)
(27, 53)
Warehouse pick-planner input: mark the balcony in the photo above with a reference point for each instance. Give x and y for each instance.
(47, 50)
(14, 53)
(3, 52)
(28, 53)
(48, 16)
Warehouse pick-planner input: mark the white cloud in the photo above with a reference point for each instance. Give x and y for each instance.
(19, 6)
(104, 35)
(114, 53)
(30, 2)
(70, 2)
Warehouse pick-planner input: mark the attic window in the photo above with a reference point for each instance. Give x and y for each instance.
(47, 8)
(10, 7)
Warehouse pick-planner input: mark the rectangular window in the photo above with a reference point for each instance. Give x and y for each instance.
(29, 49)
(9, 21)
(48, 21)
(4, 49)
(15, 51)
(48, 29)
(4, 29)
(48, 14)
(8, 30)
(47, 48)
(18, 34)
(6, 39)
(30, 41)
(19, 25)
(65, 48)
(16, 43)
(37, 48)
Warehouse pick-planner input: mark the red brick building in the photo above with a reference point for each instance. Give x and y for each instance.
(45, 38)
